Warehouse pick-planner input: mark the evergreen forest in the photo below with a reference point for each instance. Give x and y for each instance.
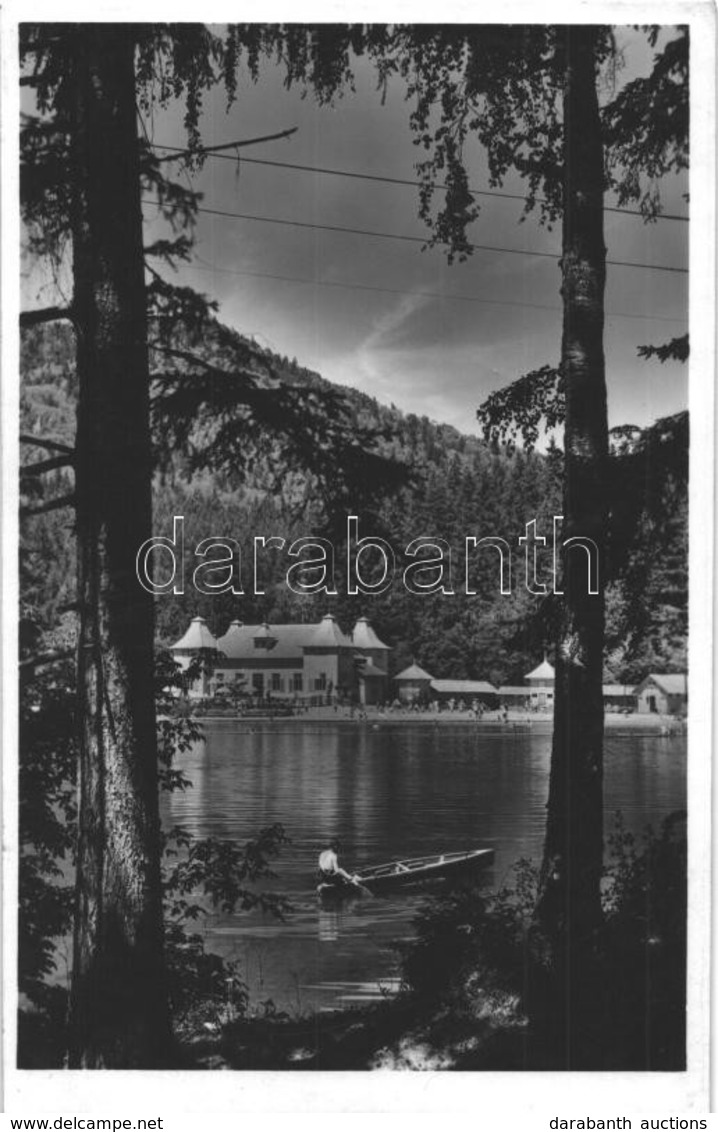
(456, 486)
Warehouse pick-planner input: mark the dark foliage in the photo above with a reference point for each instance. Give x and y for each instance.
(226, 414)
(200, 875)
(646, 126)
(676, 350)
(528, 408)
(479, 955)
(46, 823)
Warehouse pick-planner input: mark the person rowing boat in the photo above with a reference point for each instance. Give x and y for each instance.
(330, 871)
(394, 875)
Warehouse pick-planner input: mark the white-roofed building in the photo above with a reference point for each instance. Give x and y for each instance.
(328, 659)
(412, 683)
(371, 657)
(540, 692)
(543, 676)
(197, 637)
(198, 640)
(364, 638)
(541, 686)
(316, 661)
(663, 694)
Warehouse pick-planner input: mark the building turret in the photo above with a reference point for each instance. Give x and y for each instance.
(196, 641)
(369, 645)
(197, 637)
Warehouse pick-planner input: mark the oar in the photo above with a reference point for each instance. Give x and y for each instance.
(362, 887)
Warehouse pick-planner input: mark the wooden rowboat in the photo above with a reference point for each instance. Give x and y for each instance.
(413, 870)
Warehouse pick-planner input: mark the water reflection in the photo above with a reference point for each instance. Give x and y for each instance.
(394, 792)
(328, 924)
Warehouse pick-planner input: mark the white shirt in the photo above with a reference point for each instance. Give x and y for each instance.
(328, 862)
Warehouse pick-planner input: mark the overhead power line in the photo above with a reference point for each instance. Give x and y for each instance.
(413, 239)
(326, 171)
(451, 297)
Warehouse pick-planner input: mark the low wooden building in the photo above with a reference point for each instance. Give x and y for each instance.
(466, 690)
(412, 684)
(619, 697)
(540, 691)
(514, 695)
(663, 694)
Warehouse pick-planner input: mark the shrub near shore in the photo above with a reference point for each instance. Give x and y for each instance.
(479, 956)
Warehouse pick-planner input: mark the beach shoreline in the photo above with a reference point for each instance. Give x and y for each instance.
(374, 717)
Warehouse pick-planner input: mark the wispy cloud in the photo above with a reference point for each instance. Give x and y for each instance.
(387, 325)
(383, 335)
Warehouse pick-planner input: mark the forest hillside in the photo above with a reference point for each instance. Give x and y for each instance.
(457, 487)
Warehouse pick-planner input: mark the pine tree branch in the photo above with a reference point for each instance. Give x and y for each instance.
(42, 442)
(194, 359)
(203, 150)
(50, 465)
(184, 355)
(45, 314)
(50, 505)
(165, 249)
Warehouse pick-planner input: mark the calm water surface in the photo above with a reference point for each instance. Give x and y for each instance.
(388, 790)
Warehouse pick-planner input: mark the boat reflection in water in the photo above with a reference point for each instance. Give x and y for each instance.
(328, 922)
(337, 911)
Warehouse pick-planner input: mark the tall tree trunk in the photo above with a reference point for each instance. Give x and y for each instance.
(570, 902)
(118, 1006)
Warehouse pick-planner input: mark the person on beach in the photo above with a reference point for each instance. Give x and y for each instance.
(329, 867)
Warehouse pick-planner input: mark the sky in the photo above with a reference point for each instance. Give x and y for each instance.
(383, 315)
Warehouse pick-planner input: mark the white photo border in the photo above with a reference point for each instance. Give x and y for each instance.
(496, 1100)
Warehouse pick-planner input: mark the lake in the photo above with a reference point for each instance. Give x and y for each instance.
(388, 789)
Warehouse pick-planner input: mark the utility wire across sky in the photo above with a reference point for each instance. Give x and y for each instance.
(388, 180)
(203, 265)
(313, 235)
(412, 239)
